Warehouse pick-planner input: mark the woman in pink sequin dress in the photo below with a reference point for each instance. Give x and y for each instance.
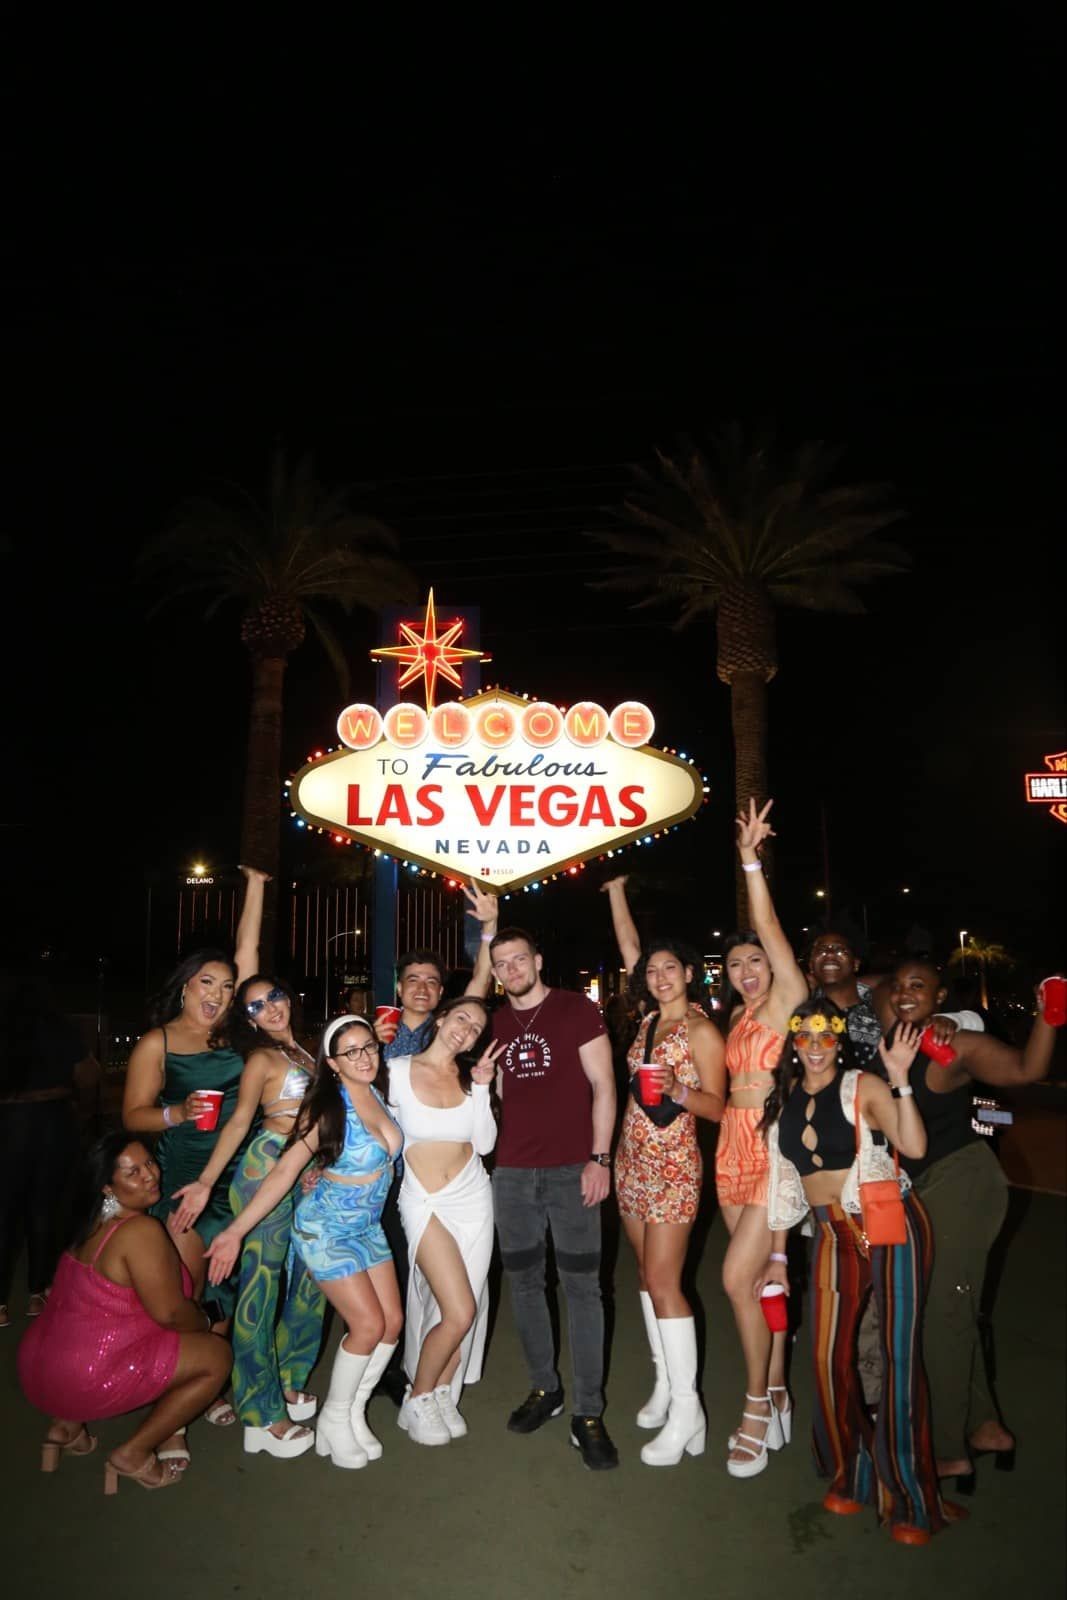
(119, 1330)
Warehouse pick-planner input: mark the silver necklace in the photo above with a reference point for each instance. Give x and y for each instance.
(527, 1026)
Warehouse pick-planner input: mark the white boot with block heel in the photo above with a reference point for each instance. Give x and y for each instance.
(685, 1432)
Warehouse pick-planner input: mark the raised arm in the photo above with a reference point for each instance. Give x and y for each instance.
(626, 935)
(897, 1118)
(790, 984)
(195, 1196)
(483, 907)
(1002, 1066)
(224, 1249)
(246, 957)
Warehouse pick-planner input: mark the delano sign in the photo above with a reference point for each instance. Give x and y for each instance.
(506, 789)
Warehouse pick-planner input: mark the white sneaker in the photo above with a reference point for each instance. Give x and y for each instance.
(422, 1421)
(449, 1411)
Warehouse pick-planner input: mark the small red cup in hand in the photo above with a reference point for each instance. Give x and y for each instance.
(649, 1090)
(943, 1054)
(388, 1020)
(208, 1120)
(775, 1307)
(1053, 996)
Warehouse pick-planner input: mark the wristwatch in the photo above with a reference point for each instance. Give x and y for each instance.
(601, 1160)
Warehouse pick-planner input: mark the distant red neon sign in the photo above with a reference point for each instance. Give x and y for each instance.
(1050, 788)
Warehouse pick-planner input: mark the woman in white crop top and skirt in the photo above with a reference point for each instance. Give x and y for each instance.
(444, 1109)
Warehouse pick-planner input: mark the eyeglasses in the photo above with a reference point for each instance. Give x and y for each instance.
(254, 1007)
(358, 1052)
(827, 1040)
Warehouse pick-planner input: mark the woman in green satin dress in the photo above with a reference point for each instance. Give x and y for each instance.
(185, 1053)
(272, 1354)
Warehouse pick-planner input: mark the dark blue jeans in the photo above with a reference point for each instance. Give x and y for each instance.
(527, 1201)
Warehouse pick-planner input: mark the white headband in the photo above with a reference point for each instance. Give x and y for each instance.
(332, 1029)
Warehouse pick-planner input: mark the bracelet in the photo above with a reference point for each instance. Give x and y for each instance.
(903, 1092)
(752, 866)
(487, 938)
(680, 1094)
(166, 1117)
(776, 1255)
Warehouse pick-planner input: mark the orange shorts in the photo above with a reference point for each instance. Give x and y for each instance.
(741, 1159)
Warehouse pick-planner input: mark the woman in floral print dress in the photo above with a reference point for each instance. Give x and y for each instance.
(658, 1174)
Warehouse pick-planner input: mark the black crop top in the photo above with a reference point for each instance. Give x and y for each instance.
(814, 1133)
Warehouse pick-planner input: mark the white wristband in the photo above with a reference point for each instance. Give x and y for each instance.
(776, 1255)
(680, 1094)
(166, 1117)
(752, 866)
(903, 1091)
(487, 938)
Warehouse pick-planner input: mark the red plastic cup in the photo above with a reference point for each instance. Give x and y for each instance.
(389, 1019)
(1053, 992)
(943, 1054)
(651, 1094)
(774, 1306)
(208, 1120)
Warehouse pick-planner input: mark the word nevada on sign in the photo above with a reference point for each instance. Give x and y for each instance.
(506, 789)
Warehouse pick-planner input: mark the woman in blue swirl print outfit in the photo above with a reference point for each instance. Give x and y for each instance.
(337, 1233)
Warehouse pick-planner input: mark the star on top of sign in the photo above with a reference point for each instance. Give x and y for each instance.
(429, 656)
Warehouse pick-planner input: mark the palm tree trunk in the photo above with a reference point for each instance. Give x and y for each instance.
(748, 714)
(261, 815)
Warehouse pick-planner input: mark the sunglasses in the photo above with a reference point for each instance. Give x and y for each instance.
(827, 1040)
(254, 1007)
(358, 1052)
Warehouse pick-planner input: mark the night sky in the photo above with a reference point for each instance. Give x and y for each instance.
(479, 299)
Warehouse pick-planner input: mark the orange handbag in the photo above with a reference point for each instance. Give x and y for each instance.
(881, 1201)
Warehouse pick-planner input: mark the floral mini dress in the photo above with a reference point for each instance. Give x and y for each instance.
(658, 1171)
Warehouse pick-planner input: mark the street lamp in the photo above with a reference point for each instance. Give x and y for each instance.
(331, 940)
(963, 952)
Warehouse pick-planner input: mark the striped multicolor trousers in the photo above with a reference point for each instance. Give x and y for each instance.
(270, 1353)
(888, 1464)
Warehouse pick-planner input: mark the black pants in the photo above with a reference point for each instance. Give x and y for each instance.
(38, 1143)
(398, 1244)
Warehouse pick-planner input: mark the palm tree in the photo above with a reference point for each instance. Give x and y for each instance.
(738, 529)
(278, 559)
(985, 954)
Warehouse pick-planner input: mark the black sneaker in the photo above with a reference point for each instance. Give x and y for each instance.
(393, 1383)
(589, 1435)
(539, 1406)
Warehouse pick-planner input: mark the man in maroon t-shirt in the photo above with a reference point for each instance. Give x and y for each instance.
(553, 1170)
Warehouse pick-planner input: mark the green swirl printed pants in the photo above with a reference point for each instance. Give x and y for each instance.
(271, 1353)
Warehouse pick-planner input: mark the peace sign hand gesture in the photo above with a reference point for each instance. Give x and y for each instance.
(754, 828)
(484, 1070)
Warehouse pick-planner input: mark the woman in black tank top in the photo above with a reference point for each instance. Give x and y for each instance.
(965, 1193)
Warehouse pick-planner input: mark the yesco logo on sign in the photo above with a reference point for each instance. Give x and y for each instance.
(511, 789)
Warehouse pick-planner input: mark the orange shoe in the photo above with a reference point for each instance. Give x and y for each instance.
(841, 1505)
(907, 1533)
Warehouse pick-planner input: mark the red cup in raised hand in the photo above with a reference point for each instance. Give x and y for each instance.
(1053, 996)
(775, 1307)
(651, 1093)
(388, 1019)
(943, 1054)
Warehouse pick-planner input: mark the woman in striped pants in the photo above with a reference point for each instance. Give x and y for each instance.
(818, 1123)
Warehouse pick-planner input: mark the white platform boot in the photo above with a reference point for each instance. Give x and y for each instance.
(367, 1440)
(686, 1429)
(333, 1435)
(653, 1414)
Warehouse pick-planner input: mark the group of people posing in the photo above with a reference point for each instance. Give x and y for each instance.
(821, 1086)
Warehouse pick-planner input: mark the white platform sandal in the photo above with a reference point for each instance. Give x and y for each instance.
(755, 1449)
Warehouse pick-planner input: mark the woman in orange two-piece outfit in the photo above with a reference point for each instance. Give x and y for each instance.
(769, 985)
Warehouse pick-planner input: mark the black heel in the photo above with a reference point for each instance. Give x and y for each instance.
(966, 1482)
(1005, 1460)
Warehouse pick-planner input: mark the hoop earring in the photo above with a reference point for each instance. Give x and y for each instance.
(181, 997)
(110, 1208)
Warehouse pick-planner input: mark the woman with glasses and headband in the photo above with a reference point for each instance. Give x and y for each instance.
(344, 1126)
(818, 1123)
(272, 1356)
(442, 1103)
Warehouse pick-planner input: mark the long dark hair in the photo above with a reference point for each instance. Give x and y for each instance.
(681, 952)
(97, 1168)
(166, 1003)
(730, 996)
(323, 1105)
(790, 1068)
(244, 1035)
